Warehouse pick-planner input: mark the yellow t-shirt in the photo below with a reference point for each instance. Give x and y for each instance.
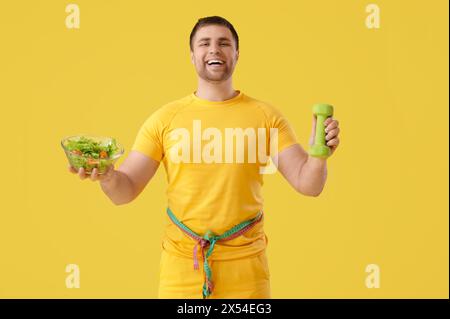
(213, 170)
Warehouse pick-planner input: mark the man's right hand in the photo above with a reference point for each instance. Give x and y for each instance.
(94, 176)
(126, 183)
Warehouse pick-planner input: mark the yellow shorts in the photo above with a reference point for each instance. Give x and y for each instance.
(245, 278)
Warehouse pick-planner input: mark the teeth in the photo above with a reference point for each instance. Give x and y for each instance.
(212, 61)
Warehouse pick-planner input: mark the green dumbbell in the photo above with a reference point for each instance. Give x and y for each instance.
(319, 148)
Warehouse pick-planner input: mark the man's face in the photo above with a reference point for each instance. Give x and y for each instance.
(214, 43)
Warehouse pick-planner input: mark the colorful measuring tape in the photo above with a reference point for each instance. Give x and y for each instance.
(210, 239)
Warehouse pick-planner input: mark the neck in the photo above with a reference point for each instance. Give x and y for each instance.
(215, 91)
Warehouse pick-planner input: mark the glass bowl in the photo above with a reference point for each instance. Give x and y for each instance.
(89, 152)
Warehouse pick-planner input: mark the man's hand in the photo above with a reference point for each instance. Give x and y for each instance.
(127, 182)
(94, 175)
(332, 131)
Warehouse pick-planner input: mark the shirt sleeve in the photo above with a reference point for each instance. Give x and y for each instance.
(285, 133)
(149, 139)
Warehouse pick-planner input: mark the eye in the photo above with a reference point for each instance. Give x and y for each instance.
(225, 44)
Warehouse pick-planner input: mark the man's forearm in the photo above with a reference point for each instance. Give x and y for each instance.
(118, 188)
(313, 176)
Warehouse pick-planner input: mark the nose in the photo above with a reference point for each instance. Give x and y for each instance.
(213, 48)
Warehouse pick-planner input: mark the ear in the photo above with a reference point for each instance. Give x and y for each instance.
(237, 55)
(192, 57)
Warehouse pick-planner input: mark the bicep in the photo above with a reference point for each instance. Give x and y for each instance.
(140, 169)
(290, 162)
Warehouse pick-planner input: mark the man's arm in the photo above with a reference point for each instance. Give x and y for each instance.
(128, 181)
(306, 174)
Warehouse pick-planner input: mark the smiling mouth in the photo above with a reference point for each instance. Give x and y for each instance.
(215, 66)
(212, 62)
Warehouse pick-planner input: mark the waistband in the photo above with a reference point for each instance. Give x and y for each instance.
(210, 239)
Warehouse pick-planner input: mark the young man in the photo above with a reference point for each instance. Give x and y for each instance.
(214, 145)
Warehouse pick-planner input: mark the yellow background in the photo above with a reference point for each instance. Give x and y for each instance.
(386, 198)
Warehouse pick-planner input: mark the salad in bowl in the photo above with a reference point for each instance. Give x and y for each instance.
(91, 152)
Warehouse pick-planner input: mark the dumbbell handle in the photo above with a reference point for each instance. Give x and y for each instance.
(319, 148)
(320, 130)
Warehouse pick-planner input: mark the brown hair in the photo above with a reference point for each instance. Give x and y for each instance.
(214, 20)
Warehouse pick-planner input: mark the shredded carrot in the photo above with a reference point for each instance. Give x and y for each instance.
(77, 152)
